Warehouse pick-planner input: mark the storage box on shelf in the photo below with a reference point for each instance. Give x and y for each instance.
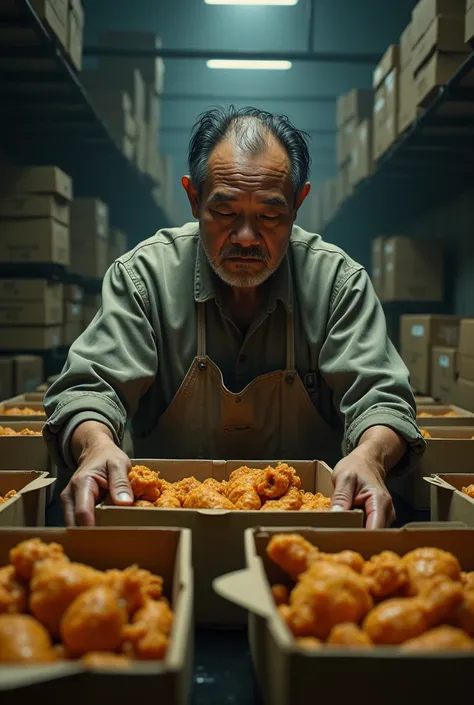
(73, 315)
(378, 265)
(444, 373)
(413, 269)
(469, 28)
(361, 164)
(30, 302)
(75, 34)
(407, 111)
(28, 373)
(426, 12)
(117, 245)
(352, 109)
(89, 237)
(92, 303)
(54, 14)
(386, 94)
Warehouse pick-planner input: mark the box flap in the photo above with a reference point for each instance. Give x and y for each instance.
(247, 589)
(44, 481)
(20, 677)
(433, 525)
(438, 482)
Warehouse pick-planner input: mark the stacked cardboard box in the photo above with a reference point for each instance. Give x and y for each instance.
(378, 265)
(117, 245)
(352, 109)
(89, 237)
(407, 110)
(75, 32)
(34, 215)
(439, 48)
(6, 377)
(73, 297)
(386, 86)
(419, 335)
(30, 313)
(91, 306)
(444, 372)
(362, 164)
(469, 30)
(464, 390)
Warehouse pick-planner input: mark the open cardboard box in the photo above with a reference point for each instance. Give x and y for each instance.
(23, 452)
(27, 507)
(166, 552)
(33, 400)
(436, 416)
(289, 675)
(424, 401)
(217, 533)
(449, 450)
(448, 501)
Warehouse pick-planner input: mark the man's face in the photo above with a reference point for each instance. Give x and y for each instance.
(246, 210)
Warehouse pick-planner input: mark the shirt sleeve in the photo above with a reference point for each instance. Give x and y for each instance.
(368, 379)
(108, 369)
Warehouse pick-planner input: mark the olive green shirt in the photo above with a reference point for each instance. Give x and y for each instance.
(132, 359)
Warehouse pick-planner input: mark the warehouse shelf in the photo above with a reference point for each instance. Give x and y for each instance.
(428, 164)
(48, 118)
(52, 272)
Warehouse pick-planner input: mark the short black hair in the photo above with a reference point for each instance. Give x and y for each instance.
(251, 128)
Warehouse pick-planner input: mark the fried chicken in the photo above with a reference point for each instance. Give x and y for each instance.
(440, 639)
(281, 594)
(315, 502)
(309, 643)
(441, 598)
(143, 503)
(350, 635)
(291, 501)
(24, 640)
(396, 620)
(105, 660)
(424, 563)
(291, 552)
(25, 432)
(216, 485)
(145, 483)
(424, 432)
(168, 500)
(23, 411)
(148, 636)
(207, 498)
(241, 489)
(464, 618)
(27, 554)
(9, 495)
(93, 622)
(351, 559)
(13, 593)
(467, 579)
(135, 586)
(386, 574)
(469, 490)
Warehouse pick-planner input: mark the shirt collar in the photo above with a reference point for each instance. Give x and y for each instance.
(205, 282)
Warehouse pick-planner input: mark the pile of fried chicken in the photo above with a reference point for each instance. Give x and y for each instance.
(22, 411)
(6, 431)
(5, 498)
(430, 415)
(272, 489)
(54, 609)
(469, 490)
(421, 601)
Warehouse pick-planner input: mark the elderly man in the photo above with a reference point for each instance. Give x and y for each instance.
(240, 336)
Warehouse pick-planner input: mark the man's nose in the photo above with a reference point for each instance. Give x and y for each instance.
(245, 235)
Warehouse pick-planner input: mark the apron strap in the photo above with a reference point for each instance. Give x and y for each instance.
(201, 329)
(290, 342)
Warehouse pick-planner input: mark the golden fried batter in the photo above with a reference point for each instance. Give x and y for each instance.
(186, 485)
(135, 586)
(351, 559)
(469, 490)
(93, 622)
(348, 634)
(168, 500)
(386, 575)
(27, 554)
(396, 620)
(207, 498)
(148, 636)
(23, 411)
(441, 598)
(145, 483)
(423, 563)
(216, 485)
(281, 594)
(327, 594)
(54, 586)
(105, 660)
(5, 431)
(465, 614)
(309, 643)
(13, 593)
(291, 552)
(424, 432)
(315, 502)
(24, 640)
(241, 489)
(467, 580)
(9, 495)
(440, 639)
(291, 501)
(143, 503)
(273, 482)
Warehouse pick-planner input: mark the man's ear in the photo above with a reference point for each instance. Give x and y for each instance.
(192, 194)
(301, 197)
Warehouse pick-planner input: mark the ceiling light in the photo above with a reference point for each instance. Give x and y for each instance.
(251, 2)
(248, 64)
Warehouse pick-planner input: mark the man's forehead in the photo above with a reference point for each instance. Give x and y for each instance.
(265, 198)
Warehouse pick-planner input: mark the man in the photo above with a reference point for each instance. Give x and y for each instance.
(240, 336)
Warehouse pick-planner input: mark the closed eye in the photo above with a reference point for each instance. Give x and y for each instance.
(269, 217)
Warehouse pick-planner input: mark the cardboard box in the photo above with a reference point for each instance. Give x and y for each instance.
(377, 265)
(413, 269)
(391, 107)
(73, 292)
(117, 245)
(426, 12)
(31, 290)
(166, 552)
(27, 507)
(43, 240)
(436, 73)
(30, 338)
(54, 14)
(30, 302)
(72, 331)
(75, 32)
(72, 312)
(389, 61)
(447, 500)
(379, 118)
(439, 415)
(443, 373)
(34, 206)
(424, 401)
(466, 349)
(362, 165)
(407, 110)
(89, 237)
(23, 452)
(469, 29)
(91, 215)
(446, 35)
(406, 47)
(209, 526)
(36, 179)
(287, 673)
(464, 393)
(152, 69)
(90, 262)
(6, 377)
(88, 315)
(28, 373)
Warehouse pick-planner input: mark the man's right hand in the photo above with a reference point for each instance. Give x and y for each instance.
(102, 466)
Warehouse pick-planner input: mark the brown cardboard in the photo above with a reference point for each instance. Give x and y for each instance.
(406, 46)
(91, 261)
(30, 290)
(30, 337)
(88, 315)
(391, 107)
(117, 245)
(407, 112)
(413, 270)
(379, 134)
(464, 393)
(377, 264)
(43, 240)
(445, 34)
(389, 61)
(436, 416)
(466, 349)
(436, 73)
(36, 179)
(443, 373)
(362, 165)
(27, 508)
(72, 331)
(152, 69)
(426, 12)
(72, 312)
(30, 302)
(53, 13)
(19, 205)
(23, 452)
(286, 674)
(75, 32)
(89, 236)
(447, 500)
(424, 400)
(73, 292)
(166, 552)
(92, 215)
(469, 30)
(6, 377)
(30, 400)
(28, 373)
(209, 526)
(358, 105)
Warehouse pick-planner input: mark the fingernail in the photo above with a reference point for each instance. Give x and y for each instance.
(337, 508)
(124, 497)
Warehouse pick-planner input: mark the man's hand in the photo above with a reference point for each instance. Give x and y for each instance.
(101, 466)
(359, 477)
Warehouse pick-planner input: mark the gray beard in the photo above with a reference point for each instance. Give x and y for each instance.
(241, 281)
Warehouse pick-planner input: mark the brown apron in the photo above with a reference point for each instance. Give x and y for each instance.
(272, 418)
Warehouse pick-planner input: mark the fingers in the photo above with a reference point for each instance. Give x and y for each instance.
(344, 490)
(86, 492)
(379, 511)
(119, 486)
(67, 501)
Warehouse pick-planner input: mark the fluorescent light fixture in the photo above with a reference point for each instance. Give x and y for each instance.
(248, 64)
(251, 2)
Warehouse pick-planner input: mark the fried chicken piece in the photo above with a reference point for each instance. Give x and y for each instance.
(241, 489)
(54, 586)
(93, 622)
(186, 485)
(386, 575)
(308, 643)
(424, 563)
(9, 495)
(27, 432)
(315, 502)
(23, 411)
(105, 660)
(291, 501)
(24, 640)
(273, 482)
(135, 586)
(351, 559)
(13, 593)
(145, 483)
(168, 500)
(441, 598)
(143, 503)
(5, 431)
(464, 618)
(284, 611)
(348, 634)
(281, 594)
(291, 552)
(469, 490)
(424, 432)
(467, 579)
(206, 498)
(396, 620)
(216, 485)
(27, 554)
(440, 639)
(327, 594)
(178, 492)
(148, 636)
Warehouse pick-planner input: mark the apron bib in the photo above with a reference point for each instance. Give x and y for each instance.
(272, 418)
